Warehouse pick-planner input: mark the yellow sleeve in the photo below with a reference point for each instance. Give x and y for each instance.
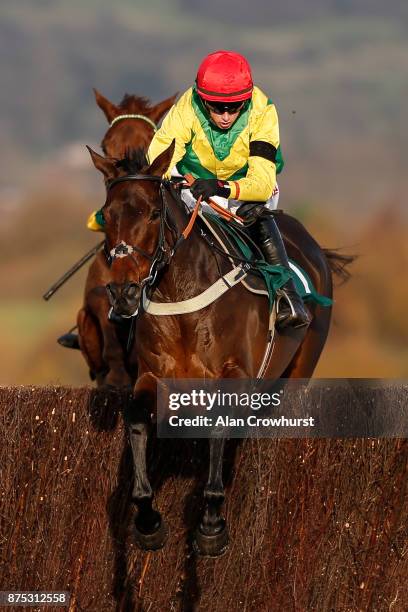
(260, 180)
(177, 124)
(92, 223)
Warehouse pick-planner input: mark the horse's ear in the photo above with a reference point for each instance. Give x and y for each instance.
(110, 110)
(161, 108)
(106, 165)
(161, 164)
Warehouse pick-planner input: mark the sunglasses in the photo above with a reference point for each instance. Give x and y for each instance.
(219, 108)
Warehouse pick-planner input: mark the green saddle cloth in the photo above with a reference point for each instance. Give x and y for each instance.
(275, 276)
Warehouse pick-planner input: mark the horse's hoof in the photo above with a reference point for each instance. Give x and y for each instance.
(152, 541)
(211, 545)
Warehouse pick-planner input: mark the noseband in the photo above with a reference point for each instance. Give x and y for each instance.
(158, 258)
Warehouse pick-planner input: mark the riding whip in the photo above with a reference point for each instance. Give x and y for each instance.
(72, 271)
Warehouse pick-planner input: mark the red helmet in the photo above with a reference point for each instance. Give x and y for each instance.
(224, 76)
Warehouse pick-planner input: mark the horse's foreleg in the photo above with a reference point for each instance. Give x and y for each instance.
(211, 537)
(111, 351)
(150, 529)
(91, 345)
(113, 356)
(214, 491)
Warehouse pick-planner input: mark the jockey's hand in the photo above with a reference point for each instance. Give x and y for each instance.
(250, 212)
(210, 187)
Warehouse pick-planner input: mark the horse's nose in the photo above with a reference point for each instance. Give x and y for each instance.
(131, 291)
(123, 298)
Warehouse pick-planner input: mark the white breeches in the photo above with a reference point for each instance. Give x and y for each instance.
(231, 205)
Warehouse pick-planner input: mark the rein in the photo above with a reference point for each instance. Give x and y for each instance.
(158, 261)
(132, 116)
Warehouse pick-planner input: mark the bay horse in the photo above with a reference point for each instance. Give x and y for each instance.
(132, 124)
(144, 221)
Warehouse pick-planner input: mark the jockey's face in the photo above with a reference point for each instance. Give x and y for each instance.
(222, 116)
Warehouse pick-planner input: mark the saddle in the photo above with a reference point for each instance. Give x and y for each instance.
(227, 236)
(234, 241)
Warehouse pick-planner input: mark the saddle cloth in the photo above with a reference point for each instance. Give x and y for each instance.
(234, 241)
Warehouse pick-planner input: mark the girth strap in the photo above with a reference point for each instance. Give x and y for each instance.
(221, 286)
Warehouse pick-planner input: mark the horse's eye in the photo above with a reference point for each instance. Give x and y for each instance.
(155, 214)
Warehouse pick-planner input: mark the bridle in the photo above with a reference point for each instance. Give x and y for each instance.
(163, 252)
(133, 116)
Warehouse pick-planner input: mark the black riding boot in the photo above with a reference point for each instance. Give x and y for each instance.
(69, 340)
(291, 311)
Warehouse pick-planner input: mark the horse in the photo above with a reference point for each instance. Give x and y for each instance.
(131, 123)
(144, 223)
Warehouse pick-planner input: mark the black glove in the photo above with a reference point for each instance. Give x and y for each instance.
(210, 187)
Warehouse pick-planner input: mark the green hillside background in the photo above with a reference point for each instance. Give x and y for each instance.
(338, 73)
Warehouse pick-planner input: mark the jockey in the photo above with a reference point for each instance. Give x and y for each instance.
(227, 138)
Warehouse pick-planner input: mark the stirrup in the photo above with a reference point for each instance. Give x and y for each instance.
(289, 315)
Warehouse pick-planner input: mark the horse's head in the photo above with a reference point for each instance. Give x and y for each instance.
(135, 217)
(132, 122)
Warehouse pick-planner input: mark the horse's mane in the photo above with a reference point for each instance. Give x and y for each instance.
(135, 104)
(134, 161)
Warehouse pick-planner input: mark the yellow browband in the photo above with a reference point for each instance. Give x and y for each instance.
(149, 121)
